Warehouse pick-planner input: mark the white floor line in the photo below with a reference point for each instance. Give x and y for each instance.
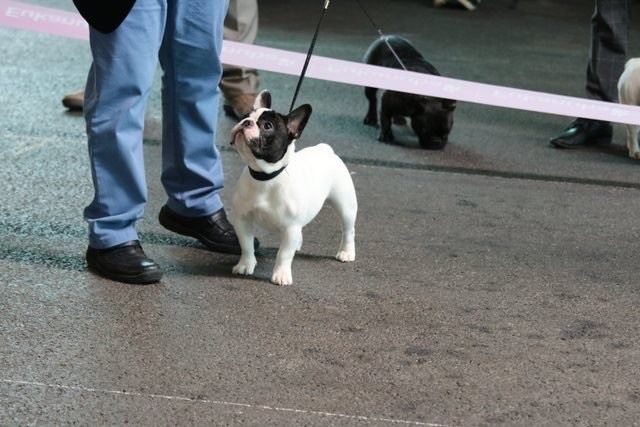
(221, 402)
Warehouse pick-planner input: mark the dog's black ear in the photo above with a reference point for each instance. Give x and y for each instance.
(449, 104)
(297, 120)
(263, 100)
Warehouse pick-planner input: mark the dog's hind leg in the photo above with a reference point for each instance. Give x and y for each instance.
(632, 141)
(347, 251)
(343, 199)
(628, 88)
(371, 119)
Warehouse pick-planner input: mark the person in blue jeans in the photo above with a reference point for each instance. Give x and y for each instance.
(239, 85)
(127, 38)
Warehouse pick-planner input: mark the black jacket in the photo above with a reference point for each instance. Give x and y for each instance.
(104, 15)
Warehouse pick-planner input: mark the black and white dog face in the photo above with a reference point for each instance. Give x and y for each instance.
(265, 135)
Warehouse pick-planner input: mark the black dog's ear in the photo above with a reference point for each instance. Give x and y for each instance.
(449, 104)
(297, 120)
(263, 100)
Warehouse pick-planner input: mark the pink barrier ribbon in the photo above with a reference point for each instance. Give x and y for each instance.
(335, 70)
(67, 24)
(30, 17)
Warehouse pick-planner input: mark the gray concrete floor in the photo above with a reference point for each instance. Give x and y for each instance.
(496, 281)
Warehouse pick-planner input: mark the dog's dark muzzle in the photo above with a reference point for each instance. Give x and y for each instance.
(434, 142)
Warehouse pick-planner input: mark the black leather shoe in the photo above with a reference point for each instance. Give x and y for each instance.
(582, 133)
(214, 231)
(126, 263)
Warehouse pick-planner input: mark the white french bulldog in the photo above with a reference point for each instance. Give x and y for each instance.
(629, 93)
(283, 190)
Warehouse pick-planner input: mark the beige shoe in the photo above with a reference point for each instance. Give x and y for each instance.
(74, 101)
(239, 106)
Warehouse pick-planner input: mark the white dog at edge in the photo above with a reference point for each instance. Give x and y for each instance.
(629, 93)
(283, 190)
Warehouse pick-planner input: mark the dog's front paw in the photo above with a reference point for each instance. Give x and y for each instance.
(346, 256)
(282, 276)
(371, 120)
(245, 266)
(386, 137)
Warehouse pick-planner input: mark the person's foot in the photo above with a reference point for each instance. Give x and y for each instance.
(582, 133)
(126, 263)
(239, 106)
(74, 101)
(214, 231)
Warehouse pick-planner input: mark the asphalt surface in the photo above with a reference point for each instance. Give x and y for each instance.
(496, 281)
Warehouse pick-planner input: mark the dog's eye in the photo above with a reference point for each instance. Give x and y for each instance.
(267, 126)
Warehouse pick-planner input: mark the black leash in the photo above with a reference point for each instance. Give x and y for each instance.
(315, 37)
(379, 31)
(306, 62)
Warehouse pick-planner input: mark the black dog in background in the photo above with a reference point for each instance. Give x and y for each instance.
(431, 118)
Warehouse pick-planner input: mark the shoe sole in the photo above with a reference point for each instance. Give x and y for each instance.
(146, 278)
(597, 142)
(171, 225)
(72, 105)
(467, 4)
(464, 3)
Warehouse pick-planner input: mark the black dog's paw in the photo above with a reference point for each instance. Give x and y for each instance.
(386, 137)
(371, 121)
(438, 144)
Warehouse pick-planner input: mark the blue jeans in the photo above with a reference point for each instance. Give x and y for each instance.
(186, 36)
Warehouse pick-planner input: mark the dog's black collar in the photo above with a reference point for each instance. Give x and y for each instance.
(262, 176)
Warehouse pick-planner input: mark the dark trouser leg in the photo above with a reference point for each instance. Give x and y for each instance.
(609, 40)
